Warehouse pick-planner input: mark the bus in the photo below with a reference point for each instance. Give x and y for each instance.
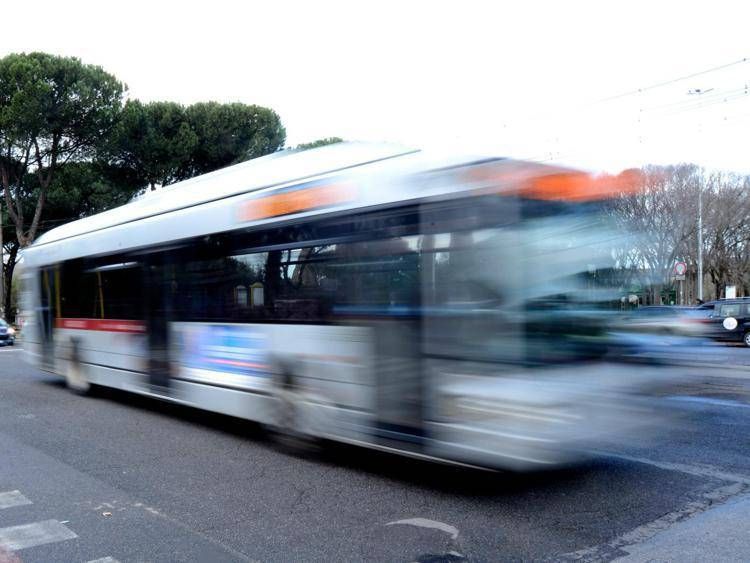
(428, 305)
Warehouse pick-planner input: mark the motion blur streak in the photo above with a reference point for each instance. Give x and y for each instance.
(460, 309)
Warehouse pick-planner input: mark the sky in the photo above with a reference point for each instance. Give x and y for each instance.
(533, 79)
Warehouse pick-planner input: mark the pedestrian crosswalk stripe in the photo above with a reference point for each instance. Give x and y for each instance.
(12, 498)
(14, 538)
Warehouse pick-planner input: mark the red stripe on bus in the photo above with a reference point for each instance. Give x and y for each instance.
(107, 325)
(238, 363)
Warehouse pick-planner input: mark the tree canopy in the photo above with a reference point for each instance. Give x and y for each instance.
(52, 110)
(229, 133)
(319, 143)
(70, 147)
(153, 140)
(164, 142)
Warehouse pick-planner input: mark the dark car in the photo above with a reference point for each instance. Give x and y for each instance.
(730, 321)
(663, 320)
(7, 334)
(707, 307)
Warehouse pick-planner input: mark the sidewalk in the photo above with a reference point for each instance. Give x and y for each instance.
(719, 534)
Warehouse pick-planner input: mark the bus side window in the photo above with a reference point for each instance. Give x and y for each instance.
(79, 296)
(121, 293)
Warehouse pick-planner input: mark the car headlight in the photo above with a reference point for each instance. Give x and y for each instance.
(11, 331)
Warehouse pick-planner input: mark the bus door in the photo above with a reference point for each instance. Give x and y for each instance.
(159, 282)
(398, 389)
(47, 314)
(472, 273)
(387, 282)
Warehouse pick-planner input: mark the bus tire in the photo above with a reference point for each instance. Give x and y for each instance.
(75, 375)
(287, 427)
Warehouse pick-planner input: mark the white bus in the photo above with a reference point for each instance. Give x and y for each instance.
(368, 294)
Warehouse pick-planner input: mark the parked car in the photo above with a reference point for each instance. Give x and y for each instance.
(664, 320)
(656, 333)
(7, 334)
(730, 321)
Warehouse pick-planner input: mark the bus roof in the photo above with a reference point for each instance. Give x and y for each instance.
(267, 171)
(288, 186)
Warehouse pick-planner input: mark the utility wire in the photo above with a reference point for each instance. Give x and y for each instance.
(637, 91)
(672, 81)
(717, 95)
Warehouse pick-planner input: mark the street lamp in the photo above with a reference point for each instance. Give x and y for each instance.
(700, 242)
(700, 92)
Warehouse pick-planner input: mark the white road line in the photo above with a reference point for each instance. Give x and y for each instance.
(642, 533)
(9, 499)
(697, 470)
(426, 523)
(708, 401)
(107, 559)
(14, 538)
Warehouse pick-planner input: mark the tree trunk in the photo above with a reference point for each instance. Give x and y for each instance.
(656, 293)
(9, 267)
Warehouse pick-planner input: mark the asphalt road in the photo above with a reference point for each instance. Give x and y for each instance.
(121, 478)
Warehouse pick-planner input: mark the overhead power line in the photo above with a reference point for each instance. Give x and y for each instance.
(671, 81)
(628, 93)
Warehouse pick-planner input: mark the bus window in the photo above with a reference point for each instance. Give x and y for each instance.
(240, 296)
(470, 296)
(108, 292)
(79, 295)
(121, 292)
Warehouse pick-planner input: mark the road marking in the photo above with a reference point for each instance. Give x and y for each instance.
(618, 546)
(697, 470)
(425, 523)
(708, 401)
(14, 538)
(107, 559)
(13, 498)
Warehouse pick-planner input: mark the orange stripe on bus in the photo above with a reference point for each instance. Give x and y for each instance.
(295, 201)
(572, 186)
(535, 182)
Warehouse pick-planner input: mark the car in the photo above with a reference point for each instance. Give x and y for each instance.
(655, 334)
(730, 321)
(7, 334)
(665, 320)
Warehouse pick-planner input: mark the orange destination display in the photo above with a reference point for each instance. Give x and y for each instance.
(296, 200)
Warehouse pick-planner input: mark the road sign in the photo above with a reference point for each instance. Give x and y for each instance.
(680, 268)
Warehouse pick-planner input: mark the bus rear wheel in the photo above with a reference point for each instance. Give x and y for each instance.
(75, 376)
(288, 426)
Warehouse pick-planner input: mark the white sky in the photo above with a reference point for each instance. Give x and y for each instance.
(510, 79)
